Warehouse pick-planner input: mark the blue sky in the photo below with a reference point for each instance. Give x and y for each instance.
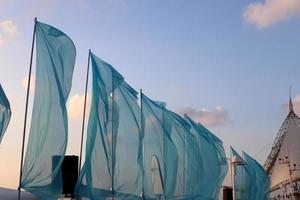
(223, 61)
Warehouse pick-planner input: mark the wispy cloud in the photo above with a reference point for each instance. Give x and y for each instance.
(75, 106)
(216, 117)
(1, 40)
(8, 27)
(271, 11)
(8, 31)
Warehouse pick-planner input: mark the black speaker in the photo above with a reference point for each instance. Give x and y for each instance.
(68, 173)
(227, 193)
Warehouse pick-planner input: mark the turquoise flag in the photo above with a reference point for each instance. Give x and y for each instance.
(55, 59)
(251, 180)
(112, 168)
(243, 180)
(213, 164)
(188, 153)
(260, 189)
(161, 162)
(5, 112)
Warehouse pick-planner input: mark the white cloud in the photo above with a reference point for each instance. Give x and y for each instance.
(8, 31)
(8, 27)
(218, 116)
(1, 40)
(271, 11)
(75, 106)
(24, 82)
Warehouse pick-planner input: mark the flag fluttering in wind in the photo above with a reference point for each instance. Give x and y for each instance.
(213, 163)
(188, 153)
(5, 112)
(160, 153)
(251, 180)
(111, 167)
(55, 59)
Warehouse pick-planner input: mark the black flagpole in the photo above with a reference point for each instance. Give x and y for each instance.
(26, 109)
(113, 141)
(84, 108)
(143, 145)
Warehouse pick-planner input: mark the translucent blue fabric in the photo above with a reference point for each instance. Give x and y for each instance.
(112, 167)
(172, 151)
(243, 180)
(5, 113)
(145, 153)
(213, 164)
(189, 167)
(251, 180)
(160, 152)
(55, 59)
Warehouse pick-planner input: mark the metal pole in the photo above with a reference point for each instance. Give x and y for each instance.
(233, 180)
(112, 139)
(84, 108)
(26, 109)
(184, 161)
(164, 151)
(143, 144)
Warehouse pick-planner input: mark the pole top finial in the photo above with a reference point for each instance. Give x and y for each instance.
(291, 107)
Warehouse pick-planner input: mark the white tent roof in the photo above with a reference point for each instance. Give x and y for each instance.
(285, 153)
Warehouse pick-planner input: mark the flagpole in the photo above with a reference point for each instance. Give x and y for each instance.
(233, 173)
(26, 109)
(164, 151)
(143, 145)
(84, 108)
(112, 141)
(184, 161)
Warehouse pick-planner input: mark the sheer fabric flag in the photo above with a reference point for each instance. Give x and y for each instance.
(160, 152)
(243, 180)
(261, 187)
(252, 181)
(5, 112)
(55, 59)
(213, 167)
(188, 153)
(111, 165)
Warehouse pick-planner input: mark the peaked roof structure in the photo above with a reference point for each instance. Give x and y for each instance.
(291, 107)
(283, 163)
